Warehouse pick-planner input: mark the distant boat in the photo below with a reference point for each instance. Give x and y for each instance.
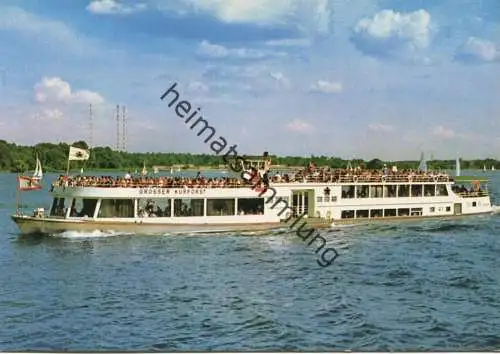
(38, 174)
(493, 168)
(484, 168)
(155, 169)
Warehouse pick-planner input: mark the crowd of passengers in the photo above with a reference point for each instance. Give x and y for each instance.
(264, 176)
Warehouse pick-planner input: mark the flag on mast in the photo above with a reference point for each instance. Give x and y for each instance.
(26, 183)
(77, 154)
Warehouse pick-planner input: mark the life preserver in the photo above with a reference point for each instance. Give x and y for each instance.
(355, 179)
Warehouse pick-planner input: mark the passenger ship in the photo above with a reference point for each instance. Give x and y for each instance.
(149, 204)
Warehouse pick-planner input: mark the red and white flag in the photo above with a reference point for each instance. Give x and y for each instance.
(28, 183)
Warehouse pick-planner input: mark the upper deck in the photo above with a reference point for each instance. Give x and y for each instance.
(322, 176)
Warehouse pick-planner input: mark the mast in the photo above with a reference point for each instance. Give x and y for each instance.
(124, 128)
(117, 127)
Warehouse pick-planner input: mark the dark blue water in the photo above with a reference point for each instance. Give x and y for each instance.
(431, 285)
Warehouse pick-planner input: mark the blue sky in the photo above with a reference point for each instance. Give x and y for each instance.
(359, 78)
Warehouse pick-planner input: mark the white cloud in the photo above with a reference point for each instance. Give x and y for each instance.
(443, 133)
(113, 7)
(281, 79)
(478, 49)
(378, 127)
(289, 42)
(197, 86)
(389, 31)
(217, 51)
(47, 32)
(50, 114)
(306, 15)
(54, 89)
(327, 87)
(299, 126)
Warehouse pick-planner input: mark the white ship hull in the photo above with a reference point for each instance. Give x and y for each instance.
(241, 208)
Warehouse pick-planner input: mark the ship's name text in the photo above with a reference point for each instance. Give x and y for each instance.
(170, 191)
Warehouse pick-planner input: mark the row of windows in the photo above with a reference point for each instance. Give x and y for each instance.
(393, 191)
(326, 199)
(379, 213)
(167, 207)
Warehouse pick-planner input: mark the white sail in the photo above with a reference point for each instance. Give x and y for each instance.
(38, 174)
(457, 167)
(484, 167)
(144, 170)
(493, 168)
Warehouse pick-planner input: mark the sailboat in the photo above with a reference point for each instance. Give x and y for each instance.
(484, 168)
(38, 174)
(29, 183)
(493, 168)
(457, 167)
(144, 170)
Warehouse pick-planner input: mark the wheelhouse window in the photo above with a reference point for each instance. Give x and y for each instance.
(390, 191)
(441, 190)
(83, 207)
(116, 208)
(347, 192)
(220, 207)
(157, 207)
(362, 191)
(188, 207)
(403, 190)
(416, 190)
(255, 206)
(58, 207)
(429, 190)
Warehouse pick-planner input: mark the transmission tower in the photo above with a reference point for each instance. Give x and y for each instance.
(124, 128)
(117, 128)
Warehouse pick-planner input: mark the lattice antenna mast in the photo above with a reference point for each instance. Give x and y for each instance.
(124, 128)
(117, 127)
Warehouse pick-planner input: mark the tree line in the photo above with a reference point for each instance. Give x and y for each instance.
(54, 157)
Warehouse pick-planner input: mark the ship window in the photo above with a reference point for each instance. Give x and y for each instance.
(429, 190)
(347, 214)
(441, 190)
(403, 212)
(362, 213)
(220, 207)
(83, 207)
(390, 212)
(403, 190)
(432, 209)
(189, 207)
(116, 208)
(474, 204)
(390, 191)
(448, 208)
(362, 191)
(376, 213)
(376, 191)
(348, 192)
(255, 206)
(319, 199)
(326, 199)
(416, 190)
(416, 211)
(334, 198)
(58, 207)
(154, 207)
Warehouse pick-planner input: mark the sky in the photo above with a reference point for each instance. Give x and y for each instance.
(352, 78)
